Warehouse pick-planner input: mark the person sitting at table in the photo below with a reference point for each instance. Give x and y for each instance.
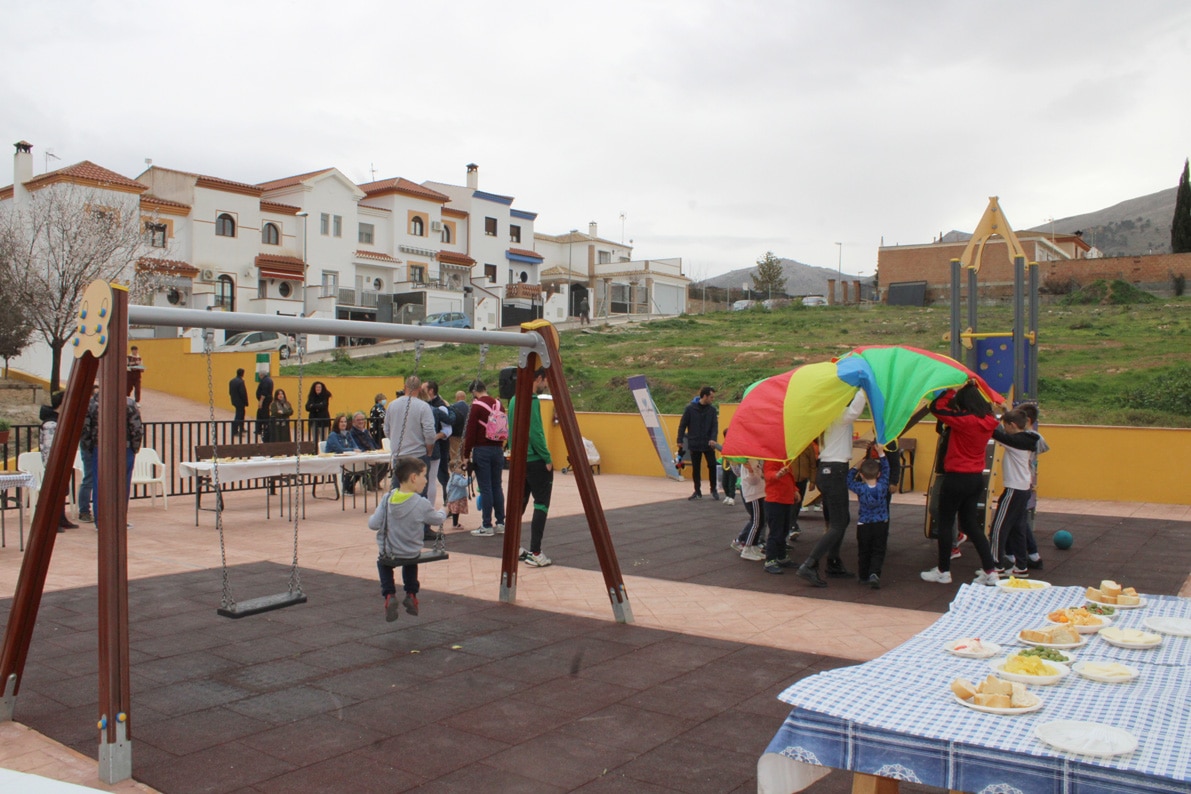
(361, 434)
(340, 440)
(280, 410)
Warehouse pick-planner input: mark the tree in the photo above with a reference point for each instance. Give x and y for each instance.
(62, 239)
(769, 277)
(1180, 225)
(15, 329)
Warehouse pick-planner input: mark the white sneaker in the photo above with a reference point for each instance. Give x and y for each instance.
(500, 529)
(539, 560)
(736, 545)
(755, 553)
(483, 532)
(989, 579)
(728, 500)
(935, 575)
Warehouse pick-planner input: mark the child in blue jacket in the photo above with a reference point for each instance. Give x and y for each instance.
(870, 483)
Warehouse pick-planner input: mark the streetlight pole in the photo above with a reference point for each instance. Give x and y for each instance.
(571, 273)
(840, 269)
(305, 216)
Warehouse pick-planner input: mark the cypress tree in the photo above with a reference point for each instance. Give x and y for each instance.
(1180, 225)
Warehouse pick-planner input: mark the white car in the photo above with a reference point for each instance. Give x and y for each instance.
(254, 341)
(814, 300)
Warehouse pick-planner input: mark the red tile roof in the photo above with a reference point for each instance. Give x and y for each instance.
(290, 181)
(149, 198)
(166, 267)
(88, 173)
(280, 265)
(381, 255)
(452, 258)
(403, 185)
(454, 213)
(276, 206)
(523, 252)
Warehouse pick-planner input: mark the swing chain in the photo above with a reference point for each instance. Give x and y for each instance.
(227, 601)
(483, 355)
(295, 578)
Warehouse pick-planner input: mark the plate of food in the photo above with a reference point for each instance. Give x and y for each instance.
(1015, 585)
(1113, 594)
(995, 696)
(1029, 670)
(1048, 654)
(972, 648)
(1100, 609)
(1059, 637)
(1176, 627)
(1079, 618)
(1086, 738)
(1130, 638)
(1106, 672)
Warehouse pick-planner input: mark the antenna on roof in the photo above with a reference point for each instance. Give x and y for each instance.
(372, 168)
(48, 154)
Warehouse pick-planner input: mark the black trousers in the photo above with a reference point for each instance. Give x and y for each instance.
(959, 497)
(539, 483)
(871, 540)
(697, 457)
(832, 482)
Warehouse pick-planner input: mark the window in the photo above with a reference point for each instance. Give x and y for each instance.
(156, 232)
(605, 257)
(417, 274)
(367, 232)
(446, 233)
(174, 296)
(490, 227)
(490, 273)
(285, 289)
(225, 294)
(324, 224)
(270, 234)
(225, 225)
(514, 234)
(330, 284)
(417, 227)
(337, 224)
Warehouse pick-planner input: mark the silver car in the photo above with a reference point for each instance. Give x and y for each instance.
(254, 341)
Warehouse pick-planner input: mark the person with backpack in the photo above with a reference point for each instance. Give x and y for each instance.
(483, 447)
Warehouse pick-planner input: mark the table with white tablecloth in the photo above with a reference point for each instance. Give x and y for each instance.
(17, 480)
(895, 717)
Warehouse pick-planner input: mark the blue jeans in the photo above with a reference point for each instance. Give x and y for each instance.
(91, 461)
(87, 487)
(489, 462)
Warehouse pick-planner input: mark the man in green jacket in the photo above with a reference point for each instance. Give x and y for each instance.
(539, 474)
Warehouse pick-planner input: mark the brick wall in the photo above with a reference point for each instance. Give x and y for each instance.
(932, 264)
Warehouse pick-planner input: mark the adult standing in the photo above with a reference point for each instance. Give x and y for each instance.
(584, 311)
(135, 368)
(699, 426)
(835, 457)
(318, 410)
(264, 398)
(280, 409)
(409, 424)
(539, 473)
(89, 443)
(87, 486)
(971, 422)
(239, 394)
(444, 425)
(459, 408)
(487, 458)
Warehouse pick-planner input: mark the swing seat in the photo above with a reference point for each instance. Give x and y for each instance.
(427, 555)
(254, 606)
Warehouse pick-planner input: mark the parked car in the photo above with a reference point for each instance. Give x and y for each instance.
(447, 320)
(743, 305)
(814, 300)
(254, 341)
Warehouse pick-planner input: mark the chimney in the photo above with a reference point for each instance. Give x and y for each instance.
(591, 229)
(22, 171)
(473, 176)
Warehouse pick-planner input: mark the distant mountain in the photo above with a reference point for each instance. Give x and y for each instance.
(801, 279)
(1136, 226)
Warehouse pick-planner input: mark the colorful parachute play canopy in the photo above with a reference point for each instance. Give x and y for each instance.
(781, 415)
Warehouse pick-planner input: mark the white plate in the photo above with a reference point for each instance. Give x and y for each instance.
(1105, 622)
(1177, 627)
(1062, 646)
(1141, 602)
(258, 457)
(1086, 738)
(992, 710)
(1137, 645)
(990, 649)
(1035, 586)
(1022, 678)
(1080, 667)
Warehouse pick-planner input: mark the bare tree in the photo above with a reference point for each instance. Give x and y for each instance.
(15, 329)
(65, 237)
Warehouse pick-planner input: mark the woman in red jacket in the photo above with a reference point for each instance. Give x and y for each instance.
(971, 422)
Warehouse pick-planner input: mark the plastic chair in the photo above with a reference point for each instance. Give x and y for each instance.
(385, 445)
(148, 470)
(30, 463)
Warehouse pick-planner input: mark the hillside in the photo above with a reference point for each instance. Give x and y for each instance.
(1136, 226)
(801, 279)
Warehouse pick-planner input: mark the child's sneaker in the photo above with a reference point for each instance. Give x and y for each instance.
(483, 532)
(935, 575)
(500, 528)
(523, 555)
(955, 552)
(729, 501)
(392, 607)
(736, 546)
(960, 538)
(986, 578)
(1020, 573)
(754, 553)
(538, 560)
(410, 603)
(794, 535)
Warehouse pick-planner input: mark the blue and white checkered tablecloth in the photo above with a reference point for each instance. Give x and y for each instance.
(895, 716)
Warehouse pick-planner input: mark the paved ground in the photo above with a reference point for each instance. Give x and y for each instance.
(548, 694)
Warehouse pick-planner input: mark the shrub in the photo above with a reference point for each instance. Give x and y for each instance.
(1168, 390)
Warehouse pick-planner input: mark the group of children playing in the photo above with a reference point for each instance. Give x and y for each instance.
(772, 493)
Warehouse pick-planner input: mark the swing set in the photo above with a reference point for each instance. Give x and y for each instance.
(99, 344)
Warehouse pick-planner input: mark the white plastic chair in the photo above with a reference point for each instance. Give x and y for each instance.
(385, 445)
(147, 469)
(30, 463)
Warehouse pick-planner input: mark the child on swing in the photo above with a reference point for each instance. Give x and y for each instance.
(398, 522)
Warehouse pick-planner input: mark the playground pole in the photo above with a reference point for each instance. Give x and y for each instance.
(955, 315)
(1019, 331)
(1033, 371)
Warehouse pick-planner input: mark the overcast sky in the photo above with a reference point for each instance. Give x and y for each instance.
(720, 130)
